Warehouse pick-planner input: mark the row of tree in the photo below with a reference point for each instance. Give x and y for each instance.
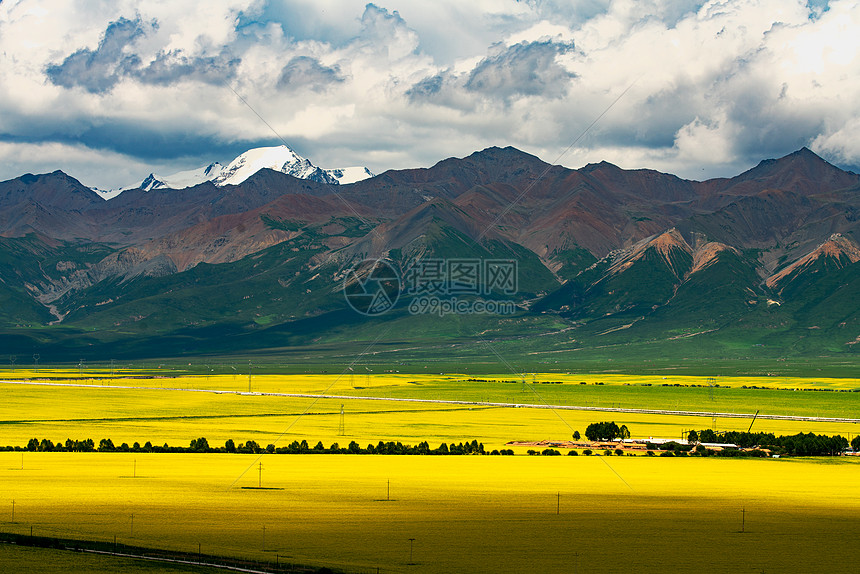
(201, 445)
(801, 444)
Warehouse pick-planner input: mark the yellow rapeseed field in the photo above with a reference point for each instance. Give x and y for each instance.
(176, 416)
(466, 513)
(226, 378)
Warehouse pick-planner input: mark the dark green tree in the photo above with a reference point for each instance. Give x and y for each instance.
(708, 435)
(602, 431)
(199, 445)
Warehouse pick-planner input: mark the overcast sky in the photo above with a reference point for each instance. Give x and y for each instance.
(111, 90)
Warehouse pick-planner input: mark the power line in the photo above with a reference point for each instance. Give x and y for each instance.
(316, 400)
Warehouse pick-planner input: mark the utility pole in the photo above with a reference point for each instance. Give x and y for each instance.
(411, 540)
(260, 482)
(132, 525)
(753, 421)
(264, 538)
(388, 496)
(743, 519)
(341, 429)
(13, 511)
(558, 504)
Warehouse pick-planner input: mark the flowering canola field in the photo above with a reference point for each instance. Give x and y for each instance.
(465, 513)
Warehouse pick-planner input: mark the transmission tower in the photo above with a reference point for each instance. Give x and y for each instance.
(711, 384)
(341, 427)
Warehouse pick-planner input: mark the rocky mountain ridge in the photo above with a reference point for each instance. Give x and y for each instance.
(596, 244)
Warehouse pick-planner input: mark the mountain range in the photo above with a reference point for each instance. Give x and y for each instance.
(766, 262)
(278, 158)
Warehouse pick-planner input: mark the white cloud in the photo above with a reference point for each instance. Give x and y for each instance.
(718, 85)
(84, 164)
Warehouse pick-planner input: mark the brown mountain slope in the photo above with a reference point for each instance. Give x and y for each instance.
(839, 251)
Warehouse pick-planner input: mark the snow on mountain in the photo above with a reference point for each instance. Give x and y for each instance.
(107, 193)
(182, 179)
(279, 158)
(347, 175)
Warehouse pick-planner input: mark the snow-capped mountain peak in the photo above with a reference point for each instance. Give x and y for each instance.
(182, 179)
(279, 158)
(347, 175)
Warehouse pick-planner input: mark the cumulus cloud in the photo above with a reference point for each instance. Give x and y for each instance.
(527, 68)
(426, 87)
(306, 72)
(174, 66)
(100, 69)
(712, 87)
